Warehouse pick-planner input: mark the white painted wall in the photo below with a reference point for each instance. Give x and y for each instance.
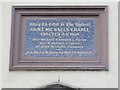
(80, 79)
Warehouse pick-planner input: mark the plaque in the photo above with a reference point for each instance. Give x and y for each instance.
(59, 38)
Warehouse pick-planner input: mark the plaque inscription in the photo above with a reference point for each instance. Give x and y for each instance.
(59, 38)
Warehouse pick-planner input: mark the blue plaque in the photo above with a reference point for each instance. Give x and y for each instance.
(60, 38)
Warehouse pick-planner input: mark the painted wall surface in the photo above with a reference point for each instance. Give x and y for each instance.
(79, 79)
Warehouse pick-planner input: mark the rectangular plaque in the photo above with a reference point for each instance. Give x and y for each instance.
(59, 38)
(50, 38)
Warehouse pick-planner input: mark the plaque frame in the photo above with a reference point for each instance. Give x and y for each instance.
(18, 62)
